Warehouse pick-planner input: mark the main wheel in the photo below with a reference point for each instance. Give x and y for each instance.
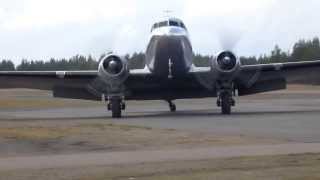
(226, 103)
(173, 108)
(116, 108)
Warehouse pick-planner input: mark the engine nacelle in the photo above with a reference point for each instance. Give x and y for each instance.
(113, 70)
(226, 63)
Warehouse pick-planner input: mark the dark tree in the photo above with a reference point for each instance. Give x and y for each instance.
(7, 65)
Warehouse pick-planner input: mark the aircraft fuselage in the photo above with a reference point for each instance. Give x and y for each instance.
(169, 53)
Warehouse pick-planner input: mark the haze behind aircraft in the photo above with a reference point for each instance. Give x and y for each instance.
(169, 74)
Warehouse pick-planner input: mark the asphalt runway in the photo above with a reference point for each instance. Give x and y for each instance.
(289, 116)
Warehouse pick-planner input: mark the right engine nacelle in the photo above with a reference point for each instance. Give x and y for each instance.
(113, 70)
(226, 63)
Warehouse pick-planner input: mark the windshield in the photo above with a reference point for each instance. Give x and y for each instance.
(163, 23)
(174, 23)
(168, 23)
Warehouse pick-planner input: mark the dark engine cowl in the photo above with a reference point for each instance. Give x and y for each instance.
(112, 65)
(226, 62)
(113, 70)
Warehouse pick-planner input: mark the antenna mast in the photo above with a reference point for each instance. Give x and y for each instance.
(168, 13)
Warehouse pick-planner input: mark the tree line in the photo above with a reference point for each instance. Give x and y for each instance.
(301, 51)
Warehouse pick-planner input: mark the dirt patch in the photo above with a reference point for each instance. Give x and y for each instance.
(28, 99)
(45, 137)
(303, 166)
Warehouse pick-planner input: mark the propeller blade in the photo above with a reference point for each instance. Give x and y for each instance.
(229, 39)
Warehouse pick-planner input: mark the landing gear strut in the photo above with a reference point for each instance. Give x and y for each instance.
(172, 106)
(116, 105)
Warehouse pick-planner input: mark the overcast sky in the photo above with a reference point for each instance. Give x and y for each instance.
(40, 29)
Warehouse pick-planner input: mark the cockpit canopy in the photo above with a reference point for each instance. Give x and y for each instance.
(170, 22)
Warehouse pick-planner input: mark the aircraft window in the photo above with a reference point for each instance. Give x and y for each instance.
(164, 23)
(174, 23)
(183, 26)
(156, 25)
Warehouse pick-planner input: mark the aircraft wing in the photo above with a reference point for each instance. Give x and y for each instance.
(44, 80)
(268, 77)
(74, 82)
(140, 84)
(281, 66)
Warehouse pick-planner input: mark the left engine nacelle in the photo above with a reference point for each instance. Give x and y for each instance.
(113, 70)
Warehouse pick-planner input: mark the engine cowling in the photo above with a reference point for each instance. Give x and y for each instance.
(113, 70)
(226, 62)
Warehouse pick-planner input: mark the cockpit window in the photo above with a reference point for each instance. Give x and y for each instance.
(160, 24)
(174, 23)
(183, 26)
(156, 25)
(177, 24)
(163, 23)
(168, 23)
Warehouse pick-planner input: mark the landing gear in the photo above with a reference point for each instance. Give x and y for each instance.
(116, 105)
(172, 106)
(225, 100)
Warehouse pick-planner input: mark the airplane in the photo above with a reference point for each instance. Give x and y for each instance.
(169, 74)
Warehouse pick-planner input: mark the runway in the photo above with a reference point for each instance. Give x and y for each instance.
(138, 157)
(292, 116)
(280, 123)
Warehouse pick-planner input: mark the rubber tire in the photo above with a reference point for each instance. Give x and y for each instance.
(225, 104)
(173, 108)
(116, 108)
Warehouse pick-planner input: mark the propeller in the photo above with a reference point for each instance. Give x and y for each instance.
(229, 38)
(227, 61)
(113, 65)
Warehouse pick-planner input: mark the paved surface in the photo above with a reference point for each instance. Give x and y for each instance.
(136, 157)
(289, 116)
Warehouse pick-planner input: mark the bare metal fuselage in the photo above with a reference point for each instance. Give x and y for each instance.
(169, 52)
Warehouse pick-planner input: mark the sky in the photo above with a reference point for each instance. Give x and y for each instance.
(41, 29)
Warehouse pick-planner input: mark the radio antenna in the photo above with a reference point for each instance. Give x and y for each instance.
(168, 13)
